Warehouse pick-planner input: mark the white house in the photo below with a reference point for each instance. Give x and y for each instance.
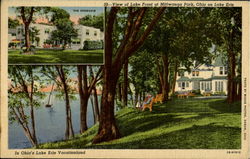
(86, 33)
(205, 78)
(44, 34)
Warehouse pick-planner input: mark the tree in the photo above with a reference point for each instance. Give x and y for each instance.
(27, 16)
(125, 83)
(85, 88)
(133, 37)
(92, 21)
(21, 96)
(228, 24)
(13, 23)
(34, 32)
(65, 30)
(143, 74)
(60, 75)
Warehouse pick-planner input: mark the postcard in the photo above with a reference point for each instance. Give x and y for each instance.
(125, 79)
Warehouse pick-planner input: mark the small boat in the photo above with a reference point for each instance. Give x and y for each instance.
(49, 104)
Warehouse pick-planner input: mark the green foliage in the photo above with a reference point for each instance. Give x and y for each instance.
(34, 32)
(196, 92)
(93, 21)
(92, 45)
(27, 12)
(143, 74)
(23, 79)
(226, 32)
(52, 76)
(65, 30)
(178, 124)
(13, 23)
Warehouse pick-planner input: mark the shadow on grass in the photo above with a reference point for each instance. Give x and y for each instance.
(224, 107)
(197, 137)
(136, 121)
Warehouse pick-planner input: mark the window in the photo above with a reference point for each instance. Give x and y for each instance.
(197, 73)
(216, 86)
(46, 31)
(187, 84)
(221, 70)
(95, 33)
(221, 86)
(225, 70)
(180, 73)
(87, 32)
(19, 31)
(193, 73)
(183, 85)
(13, 34)
(202, 86)
(179, 84)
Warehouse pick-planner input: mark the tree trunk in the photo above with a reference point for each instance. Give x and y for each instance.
(125, 84)
(69, 132)
(239, 91)
(27, 36)
(33, 124)
(26, 21)
(93, 109)
(107, 128)
(96, 104)
(120, 92)
(232, 92)
(165, 88)
(20, 118)
(160, 73)
(175, 77)
(82, 80)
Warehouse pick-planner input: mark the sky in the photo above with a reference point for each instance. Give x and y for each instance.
(75, 12)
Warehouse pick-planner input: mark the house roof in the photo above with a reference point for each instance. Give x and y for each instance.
(219, 61)
(215, 78)
(196, 79)
(219, 77)
(208, 79)
(183, 79)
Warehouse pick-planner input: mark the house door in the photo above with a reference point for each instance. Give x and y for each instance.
(183, 85)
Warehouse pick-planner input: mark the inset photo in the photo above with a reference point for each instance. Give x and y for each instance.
(55, 35)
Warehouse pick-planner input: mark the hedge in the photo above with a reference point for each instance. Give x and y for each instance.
(92, 45)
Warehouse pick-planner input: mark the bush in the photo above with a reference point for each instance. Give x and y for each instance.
(196, 92)
(92, 45)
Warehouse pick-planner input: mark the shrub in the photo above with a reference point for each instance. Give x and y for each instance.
(196, 92)
(92, 45)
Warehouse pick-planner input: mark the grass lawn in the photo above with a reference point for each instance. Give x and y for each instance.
(57, 56)
(178, 124)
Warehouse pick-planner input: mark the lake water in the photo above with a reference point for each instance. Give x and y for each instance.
(50, 123)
